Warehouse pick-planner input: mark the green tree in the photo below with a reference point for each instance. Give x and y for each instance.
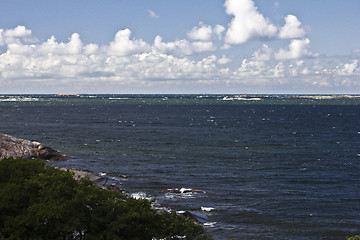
(40, 202)
(357, 237)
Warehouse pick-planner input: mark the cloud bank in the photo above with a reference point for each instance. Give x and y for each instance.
(195, 64)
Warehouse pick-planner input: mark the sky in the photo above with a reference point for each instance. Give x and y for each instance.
(180, 46)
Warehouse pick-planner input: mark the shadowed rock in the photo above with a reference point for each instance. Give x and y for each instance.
(21, 148)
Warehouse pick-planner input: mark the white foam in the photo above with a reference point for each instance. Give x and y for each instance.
(140, 195)
(185, 190)
(119, 98)
(19, 99)
(207, 209)
(210, 224)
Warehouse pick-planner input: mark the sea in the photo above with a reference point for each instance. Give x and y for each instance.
(256, 166)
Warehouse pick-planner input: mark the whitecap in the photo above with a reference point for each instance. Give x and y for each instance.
(140, 195)
(210, 224)
(207, 209)
(19, 99)
(112, 98)
(185, 190)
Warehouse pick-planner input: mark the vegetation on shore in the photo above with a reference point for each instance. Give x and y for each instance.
(357, 237)
(40, 202)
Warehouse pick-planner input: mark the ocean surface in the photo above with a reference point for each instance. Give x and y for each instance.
(259, 166)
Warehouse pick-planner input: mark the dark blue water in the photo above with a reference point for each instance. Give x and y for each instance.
(278, 168)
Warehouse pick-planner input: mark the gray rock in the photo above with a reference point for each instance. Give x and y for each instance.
(21, 148)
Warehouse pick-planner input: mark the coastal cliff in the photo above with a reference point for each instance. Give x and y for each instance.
(20, 148)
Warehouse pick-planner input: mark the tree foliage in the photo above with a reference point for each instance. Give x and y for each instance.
(357, 237)
(40, 202)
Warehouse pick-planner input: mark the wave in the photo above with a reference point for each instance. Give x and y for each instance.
(18, 99)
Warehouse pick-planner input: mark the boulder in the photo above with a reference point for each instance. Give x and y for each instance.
(196, 216)
(21, 148)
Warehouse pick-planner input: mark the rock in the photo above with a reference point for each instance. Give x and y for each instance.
(104, 182)
(197, 217)
(21, 148)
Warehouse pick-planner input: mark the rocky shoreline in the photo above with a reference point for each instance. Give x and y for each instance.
(99, 179)
(20, 148)
(12, 147)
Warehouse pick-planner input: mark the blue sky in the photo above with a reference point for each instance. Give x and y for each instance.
(173, 46)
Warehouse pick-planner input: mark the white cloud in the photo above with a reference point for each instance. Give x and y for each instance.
(153, 14)
(122, 45)
(130, 63)
(200, 46)
(348, 68)
(263, 54)
(224, 60)
(181, 47)
(250, 68)
(218, 29)
(292, 28)
(16, 35)
(19, 31)
(247, 23)
(121, 59)
(91, 48)
(298, 48)
(73, 47)
(203, 32)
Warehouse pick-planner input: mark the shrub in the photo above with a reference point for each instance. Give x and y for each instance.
(40, 202)
(357, 237)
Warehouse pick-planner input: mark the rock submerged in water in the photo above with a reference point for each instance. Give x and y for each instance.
(20, 148)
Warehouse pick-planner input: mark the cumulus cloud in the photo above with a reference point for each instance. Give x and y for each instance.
(252, 69)
(224, 60)
(292, 28)
(182, 47)
(348, 68)
(129, 62)
(179, 47)
(16, 35)
(123, 58)
(263, 54)
(122, 44)
(203, 32)
(219, 29)
(247, 22)
(298, 48)
(200, 46)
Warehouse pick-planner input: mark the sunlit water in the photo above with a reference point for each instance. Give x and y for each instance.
(275, 168)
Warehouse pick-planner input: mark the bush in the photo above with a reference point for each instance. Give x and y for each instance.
(40, 202)
(357, 237)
